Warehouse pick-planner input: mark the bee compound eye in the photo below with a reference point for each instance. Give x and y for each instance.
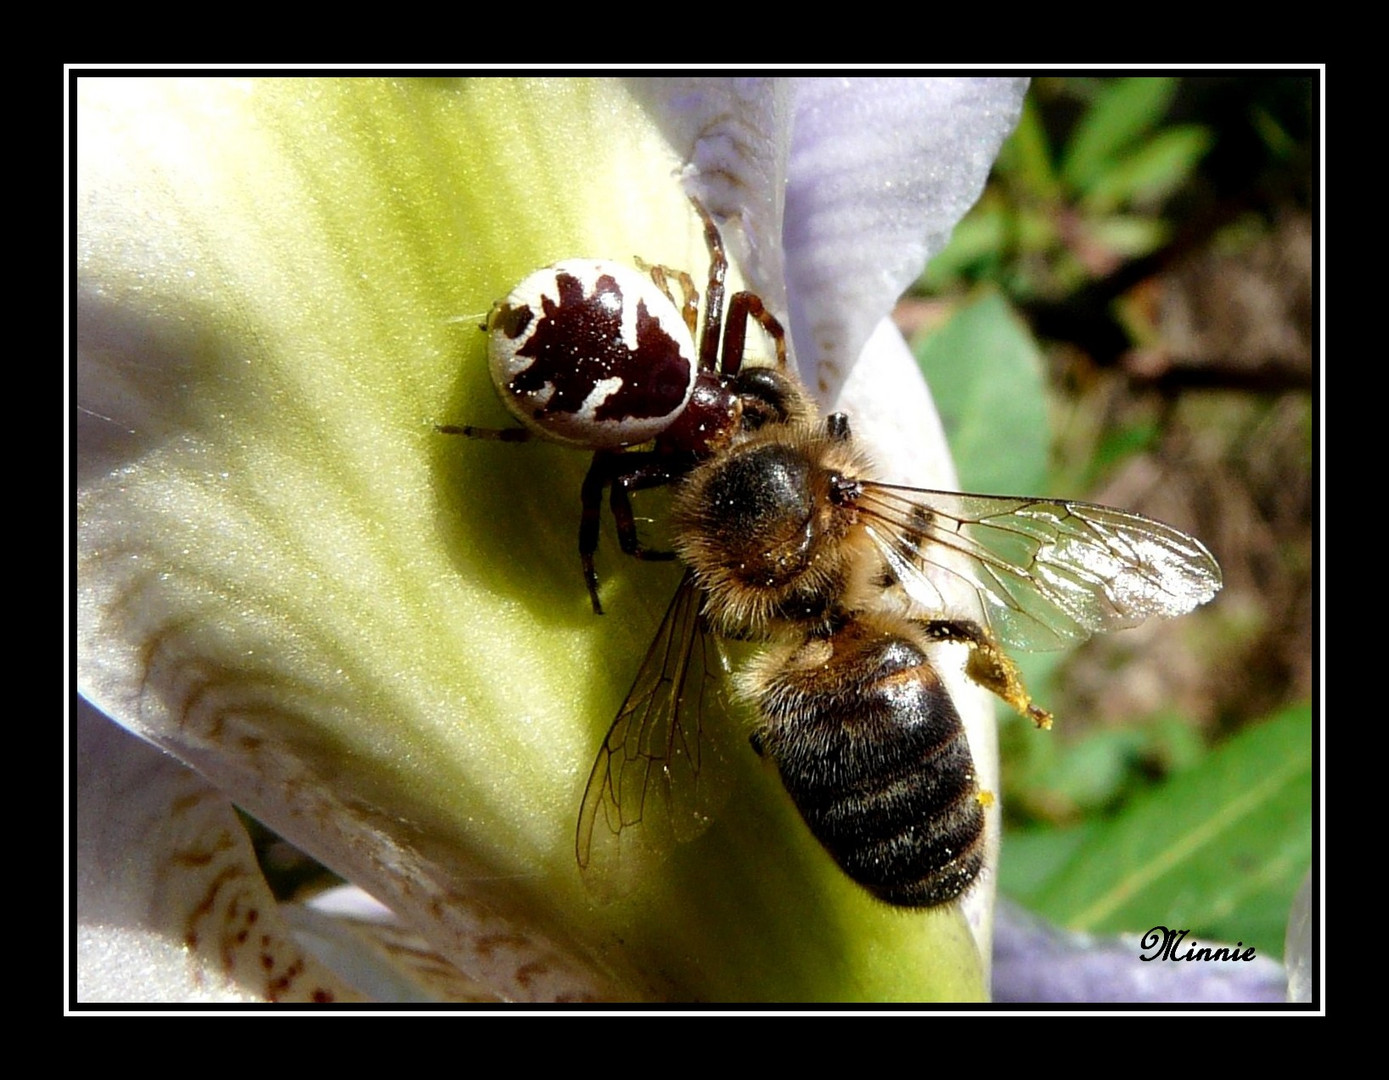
(592, 354)
(767, 395)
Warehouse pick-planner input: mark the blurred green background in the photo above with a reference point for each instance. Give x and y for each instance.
(1134, 294)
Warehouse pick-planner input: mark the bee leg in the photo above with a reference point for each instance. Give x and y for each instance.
(988, 665)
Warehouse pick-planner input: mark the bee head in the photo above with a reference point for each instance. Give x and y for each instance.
(761, 530)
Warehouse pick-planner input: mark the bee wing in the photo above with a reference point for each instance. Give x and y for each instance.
(1043, 573)
(660, 775)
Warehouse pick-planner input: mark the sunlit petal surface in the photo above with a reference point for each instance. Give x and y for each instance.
(388, 960)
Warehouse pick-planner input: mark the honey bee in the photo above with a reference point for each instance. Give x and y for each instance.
(849, 584)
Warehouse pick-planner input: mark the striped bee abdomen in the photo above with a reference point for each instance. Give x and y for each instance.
(872, 751)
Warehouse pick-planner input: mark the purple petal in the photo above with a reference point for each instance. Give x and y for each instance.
(880, 172)
(1036, 962)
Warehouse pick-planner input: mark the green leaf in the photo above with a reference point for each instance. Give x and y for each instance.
(1152, 172)
(1026, 159)
(1089, 772)
(975, 245)
(1127, 236)
(1121, 115)
(1122, 442)
(985, 373)
(1219, 850)
(1032, 857)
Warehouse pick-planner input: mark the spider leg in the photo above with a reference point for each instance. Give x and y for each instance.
(713, 292)
(653, 473)
(510, 434)
(662, 275)
(591, 499)
(625, 472)
(743, 306)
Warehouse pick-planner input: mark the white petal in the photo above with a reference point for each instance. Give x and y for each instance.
(892, 414)
(171, 905)
(734, 136)
(881, 170)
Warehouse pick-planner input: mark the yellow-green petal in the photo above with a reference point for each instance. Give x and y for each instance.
(371, 635)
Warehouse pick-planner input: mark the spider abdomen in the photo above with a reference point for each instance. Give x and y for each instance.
(591, 353)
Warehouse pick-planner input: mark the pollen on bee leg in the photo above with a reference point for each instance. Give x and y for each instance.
(988, 665)
(994, 670)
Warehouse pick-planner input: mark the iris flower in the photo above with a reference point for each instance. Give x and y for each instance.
(375, 638)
